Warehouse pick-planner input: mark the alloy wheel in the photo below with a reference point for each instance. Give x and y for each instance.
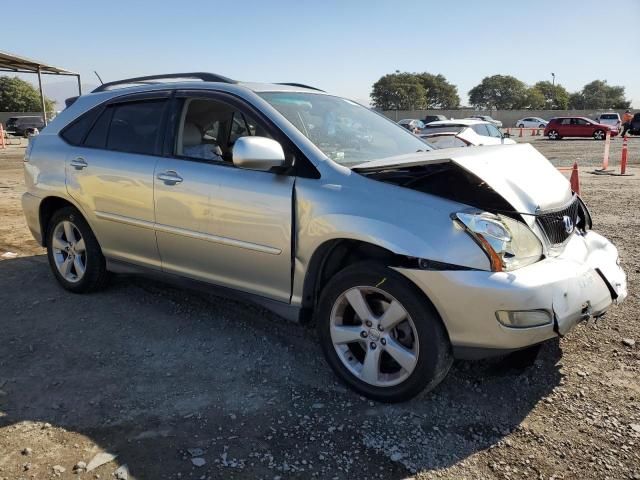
(374, 336)
(69, 251)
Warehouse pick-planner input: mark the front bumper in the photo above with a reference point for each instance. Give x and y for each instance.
(581, 282)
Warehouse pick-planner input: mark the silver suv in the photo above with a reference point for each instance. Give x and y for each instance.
(405, 257)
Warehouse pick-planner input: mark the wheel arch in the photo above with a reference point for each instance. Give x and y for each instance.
(48, 206)
(334, 255)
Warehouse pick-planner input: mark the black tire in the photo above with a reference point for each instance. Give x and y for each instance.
(542, 125)
(599, 135)
(95, 276)
(554, 135)
(520, 126)
(434, 352)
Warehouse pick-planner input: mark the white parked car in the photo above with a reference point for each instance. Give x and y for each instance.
(610, 118)
(531, 122)
(458, 133)
(412, 124)
(486, 118)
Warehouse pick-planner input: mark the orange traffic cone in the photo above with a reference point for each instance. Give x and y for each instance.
(575, 179)
(520, 133)
(2, 143)
(623, 160)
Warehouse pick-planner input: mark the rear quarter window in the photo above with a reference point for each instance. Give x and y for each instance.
(77, 130)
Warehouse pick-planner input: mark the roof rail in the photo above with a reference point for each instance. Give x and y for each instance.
(204, 76)
(301, 85)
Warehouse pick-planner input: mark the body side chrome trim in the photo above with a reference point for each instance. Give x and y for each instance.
(217, 239)
(188, 233)
(123, 219)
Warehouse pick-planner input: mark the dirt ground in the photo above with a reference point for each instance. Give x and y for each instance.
(169, 379)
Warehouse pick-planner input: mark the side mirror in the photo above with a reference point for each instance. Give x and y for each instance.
(257, 153)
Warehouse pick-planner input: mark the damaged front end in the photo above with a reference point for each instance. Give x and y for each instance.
(549, 271)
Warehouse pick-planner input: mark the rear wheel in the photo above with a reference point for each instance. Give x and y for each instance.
(380, 335)
(599, 135)
(553, 135)
(74, 254)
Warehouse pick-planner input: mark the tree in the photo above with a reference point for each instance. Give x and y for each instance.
(534, 99)
(502, 92)
(598, 94)
(398, 91)
(576, 101)
(556, 97)
(440, 93)
(16, 95)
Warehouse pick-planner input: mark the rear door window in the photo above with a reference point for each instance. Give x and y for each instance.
(134, 127)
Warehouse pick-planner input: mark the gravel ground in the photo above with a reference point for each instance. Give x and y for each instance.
(184, 385)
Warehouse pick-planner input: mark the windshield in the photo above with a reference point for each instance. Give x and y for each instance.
(346, 132)
(609, 116)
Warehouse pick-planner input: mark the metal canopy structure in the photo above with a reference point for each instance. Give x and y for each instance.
(15, 64)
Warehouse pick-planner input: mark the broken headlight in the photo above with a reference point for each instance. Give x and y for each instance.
(508, 243)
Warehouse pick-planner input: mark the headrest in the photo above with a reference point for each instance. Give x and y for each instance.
(191, 135)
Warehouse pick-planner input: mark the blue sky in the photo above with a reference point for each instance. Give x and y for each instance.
(339, 46)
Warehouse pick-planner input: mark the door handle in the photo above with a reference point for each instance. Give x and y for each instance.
(170, 177)
(79, 163)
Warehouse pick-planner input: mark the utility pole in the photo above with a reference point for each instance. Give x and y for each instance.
(553, 88)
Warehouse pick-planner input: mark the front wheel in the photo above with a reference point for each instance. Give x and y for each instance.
(380, 334)
(599, 134)
(74, 254)
(553, 135)
(520, 126)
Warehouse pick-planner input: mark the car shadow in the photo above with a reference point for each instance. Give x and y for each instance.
(148, 371)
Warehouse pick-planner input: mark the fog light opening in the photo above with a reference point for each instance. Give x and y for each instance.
(523, 318)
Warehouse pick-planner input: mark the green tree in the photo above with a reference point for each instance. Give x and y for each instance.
(502, 92)
(577, 101)
(556, 97)
(599, 94)
(399, 91)
(16, 95)
(534, 99)
(440, 93)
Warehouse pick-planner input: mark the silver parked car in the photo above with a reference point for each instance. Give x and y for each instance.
(323, 210)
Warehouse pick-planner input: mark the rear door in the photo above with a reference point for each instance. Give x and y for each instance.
(565, 128)
(216, 222)
(110, 175)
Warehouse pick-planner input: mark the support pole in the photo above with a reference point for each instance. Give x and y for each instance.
(44, 105)
(79, 85)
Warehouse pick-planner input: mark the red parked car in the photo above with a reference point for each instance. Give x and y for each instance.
(560, 127)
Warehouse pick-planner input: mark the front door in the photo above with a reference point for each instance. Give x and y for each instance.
(110, 175)
(214, 221)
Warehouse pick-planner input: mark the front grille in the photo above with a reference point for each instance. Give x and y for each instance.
(552, 222)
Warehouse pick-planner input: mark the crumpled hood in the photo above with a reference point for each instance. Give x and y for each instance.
(518, 173)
